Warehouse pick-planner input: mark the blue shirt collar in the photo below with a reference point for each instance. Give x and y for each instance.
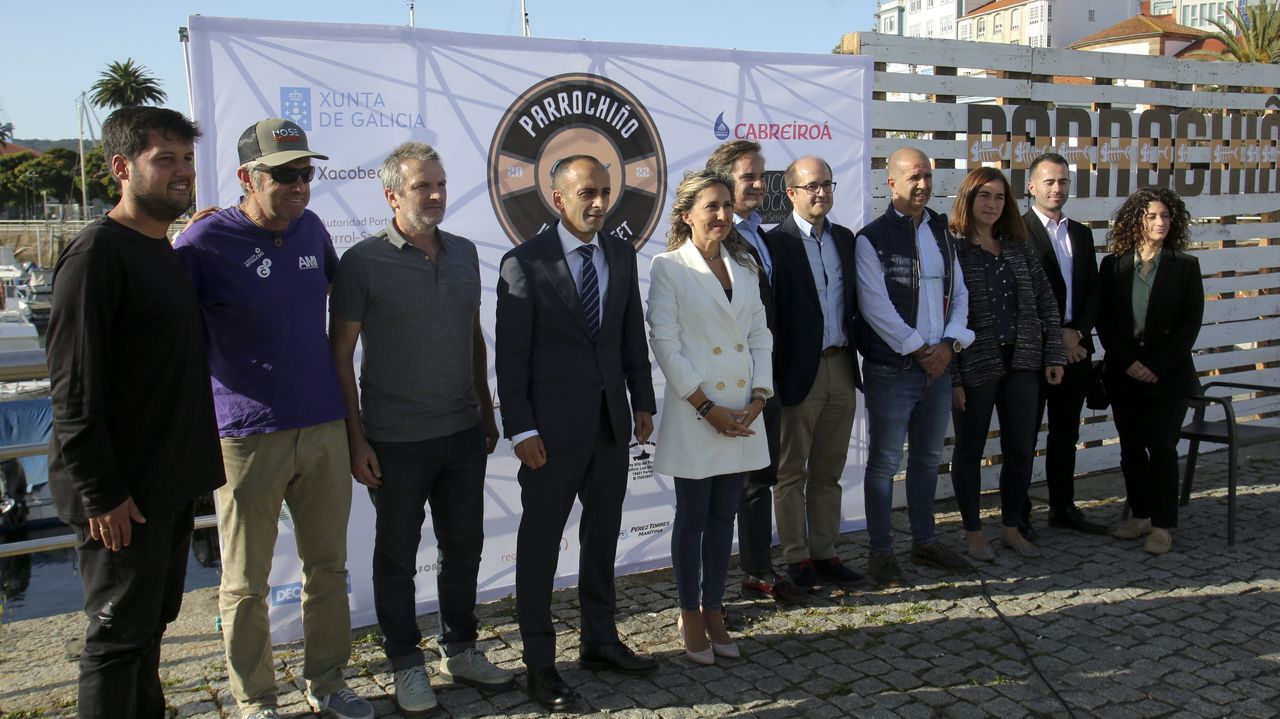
(570, 243)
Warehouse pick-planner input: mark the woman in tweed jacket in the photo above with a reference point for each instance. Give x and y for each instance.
(1013, 312)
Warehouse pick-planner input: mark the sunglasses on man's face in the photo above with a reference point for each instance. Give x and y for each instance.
(289, 175)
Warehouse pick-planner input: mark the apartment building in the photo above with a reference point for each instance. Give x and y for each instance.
(1041, 23)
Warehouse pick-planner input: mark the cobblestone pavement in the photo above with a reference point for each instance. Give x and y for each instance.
(1116, 633)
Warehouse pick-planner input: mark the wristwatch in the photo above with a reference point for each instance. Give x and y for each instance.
(955, 344)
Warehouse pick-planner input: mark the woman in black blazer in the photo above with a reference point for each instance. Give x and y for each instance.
(1152, 306)
(1014, 317)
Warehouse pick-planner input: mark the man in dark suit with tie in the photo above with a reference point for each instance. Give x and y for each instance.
(815, 373)
(570, 347)
(741, 161)
(1065, 250)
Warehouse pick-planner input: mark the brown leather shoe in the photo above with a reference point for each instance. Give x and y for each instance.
(883, 568)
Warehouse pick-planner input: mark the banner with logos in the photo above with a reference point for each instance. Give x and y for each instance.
(501, 110)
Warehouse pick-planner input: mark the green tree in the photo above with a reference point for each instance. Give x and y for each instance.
(102, 186)
(54, 173)
(1251, 37)
(6, 133)
(126, 84)
(11, 191)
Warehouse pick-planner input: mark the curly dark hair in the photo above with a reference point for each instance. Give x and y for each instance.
(1126, 233)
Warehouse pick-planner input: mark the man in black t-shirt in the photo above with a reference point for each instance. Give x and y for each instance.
(134, 436)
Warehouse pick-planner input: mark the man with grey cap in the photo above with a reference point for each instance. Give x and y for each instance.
(262, 271)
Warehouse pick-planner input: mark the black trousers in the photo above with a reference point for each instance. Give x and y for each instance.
(1064, 403)
(1013, 396)
(597, 477)
(755, 509)
(129, 597)
(448, 473)
(1149, 426)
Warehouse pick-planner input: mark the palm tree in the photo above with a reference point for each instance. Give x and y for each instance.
(6, 133)
(126, 85)
(1258, 38)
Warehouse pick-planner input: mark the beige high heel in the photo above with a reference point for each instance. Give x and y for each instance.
(729, 650)
(705, 657)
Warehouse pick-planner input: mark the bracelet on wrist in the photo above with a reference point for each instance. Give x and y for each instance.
(705, 408)
(760, 398)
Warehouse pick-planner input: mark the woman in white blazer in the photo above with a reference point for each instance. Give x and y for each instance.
(708, 333)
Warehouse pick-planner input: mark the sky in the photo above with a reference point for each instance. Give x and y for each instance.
(51, 53)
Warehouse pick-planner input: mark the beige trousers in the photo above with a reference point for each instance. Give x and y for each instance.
(309, 470)
(813, 447)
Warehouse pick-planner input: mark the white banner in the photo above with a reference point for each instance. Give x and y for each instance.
(501, 110)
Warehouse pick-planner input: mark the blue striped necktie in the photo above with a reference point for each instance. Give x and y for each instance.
(590, 290)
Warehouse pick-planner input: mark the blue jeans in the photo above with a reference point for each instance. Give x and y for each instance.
(701, 537)
(448, 473)
(903, 404)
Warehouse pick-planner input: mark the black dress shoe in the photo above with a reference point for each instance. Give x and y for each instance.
(618, 658)
(804, 575)
(833, 570)
(1073, 518)
(548, 689)
(1028, 532)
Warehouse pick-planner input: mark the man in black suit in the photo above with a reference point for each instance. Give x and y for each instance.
(741, 161)
(816, 373)
(570, 347)
(1065, 249)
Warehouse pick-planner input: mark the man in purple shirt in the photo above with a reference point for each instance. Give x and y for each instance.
(262, 270)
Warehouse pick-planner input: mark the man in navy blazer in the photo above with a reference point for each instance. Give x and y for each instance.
(1065, 250)
(815, 373)
(570, 347)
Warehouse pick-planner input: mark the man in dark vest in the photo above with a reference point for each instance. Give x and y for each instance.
(913, 311)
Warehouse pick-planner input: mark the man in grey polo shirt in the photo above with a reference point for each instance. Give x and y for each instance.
(425, 425)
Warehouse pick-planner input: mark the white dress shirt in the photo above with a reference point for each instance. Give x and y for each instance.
(1062, 249)
(570, 245)
(878, 310)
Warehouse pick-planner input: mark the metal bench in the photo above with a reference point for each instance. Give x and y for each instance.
(1225, 431)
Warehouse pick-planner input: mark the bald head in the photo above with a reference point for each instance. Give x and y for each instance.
(910, 181)
(810, 188)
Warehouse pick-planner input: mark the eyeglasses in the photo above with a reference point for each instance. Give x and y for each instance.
(812, 188)
(289, 175)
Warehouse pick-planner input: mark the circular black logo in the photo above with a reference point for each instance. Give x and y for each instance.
(572, 114)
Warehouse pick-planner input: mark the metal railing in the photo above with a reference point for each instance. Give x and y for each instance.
(22, 365)
(62, 541)
(67, 541)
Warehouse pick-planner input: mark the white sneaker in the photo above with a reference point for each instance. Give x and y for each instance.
(471, 667)
(413, 692)
(342, 704)
(1133, 529)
